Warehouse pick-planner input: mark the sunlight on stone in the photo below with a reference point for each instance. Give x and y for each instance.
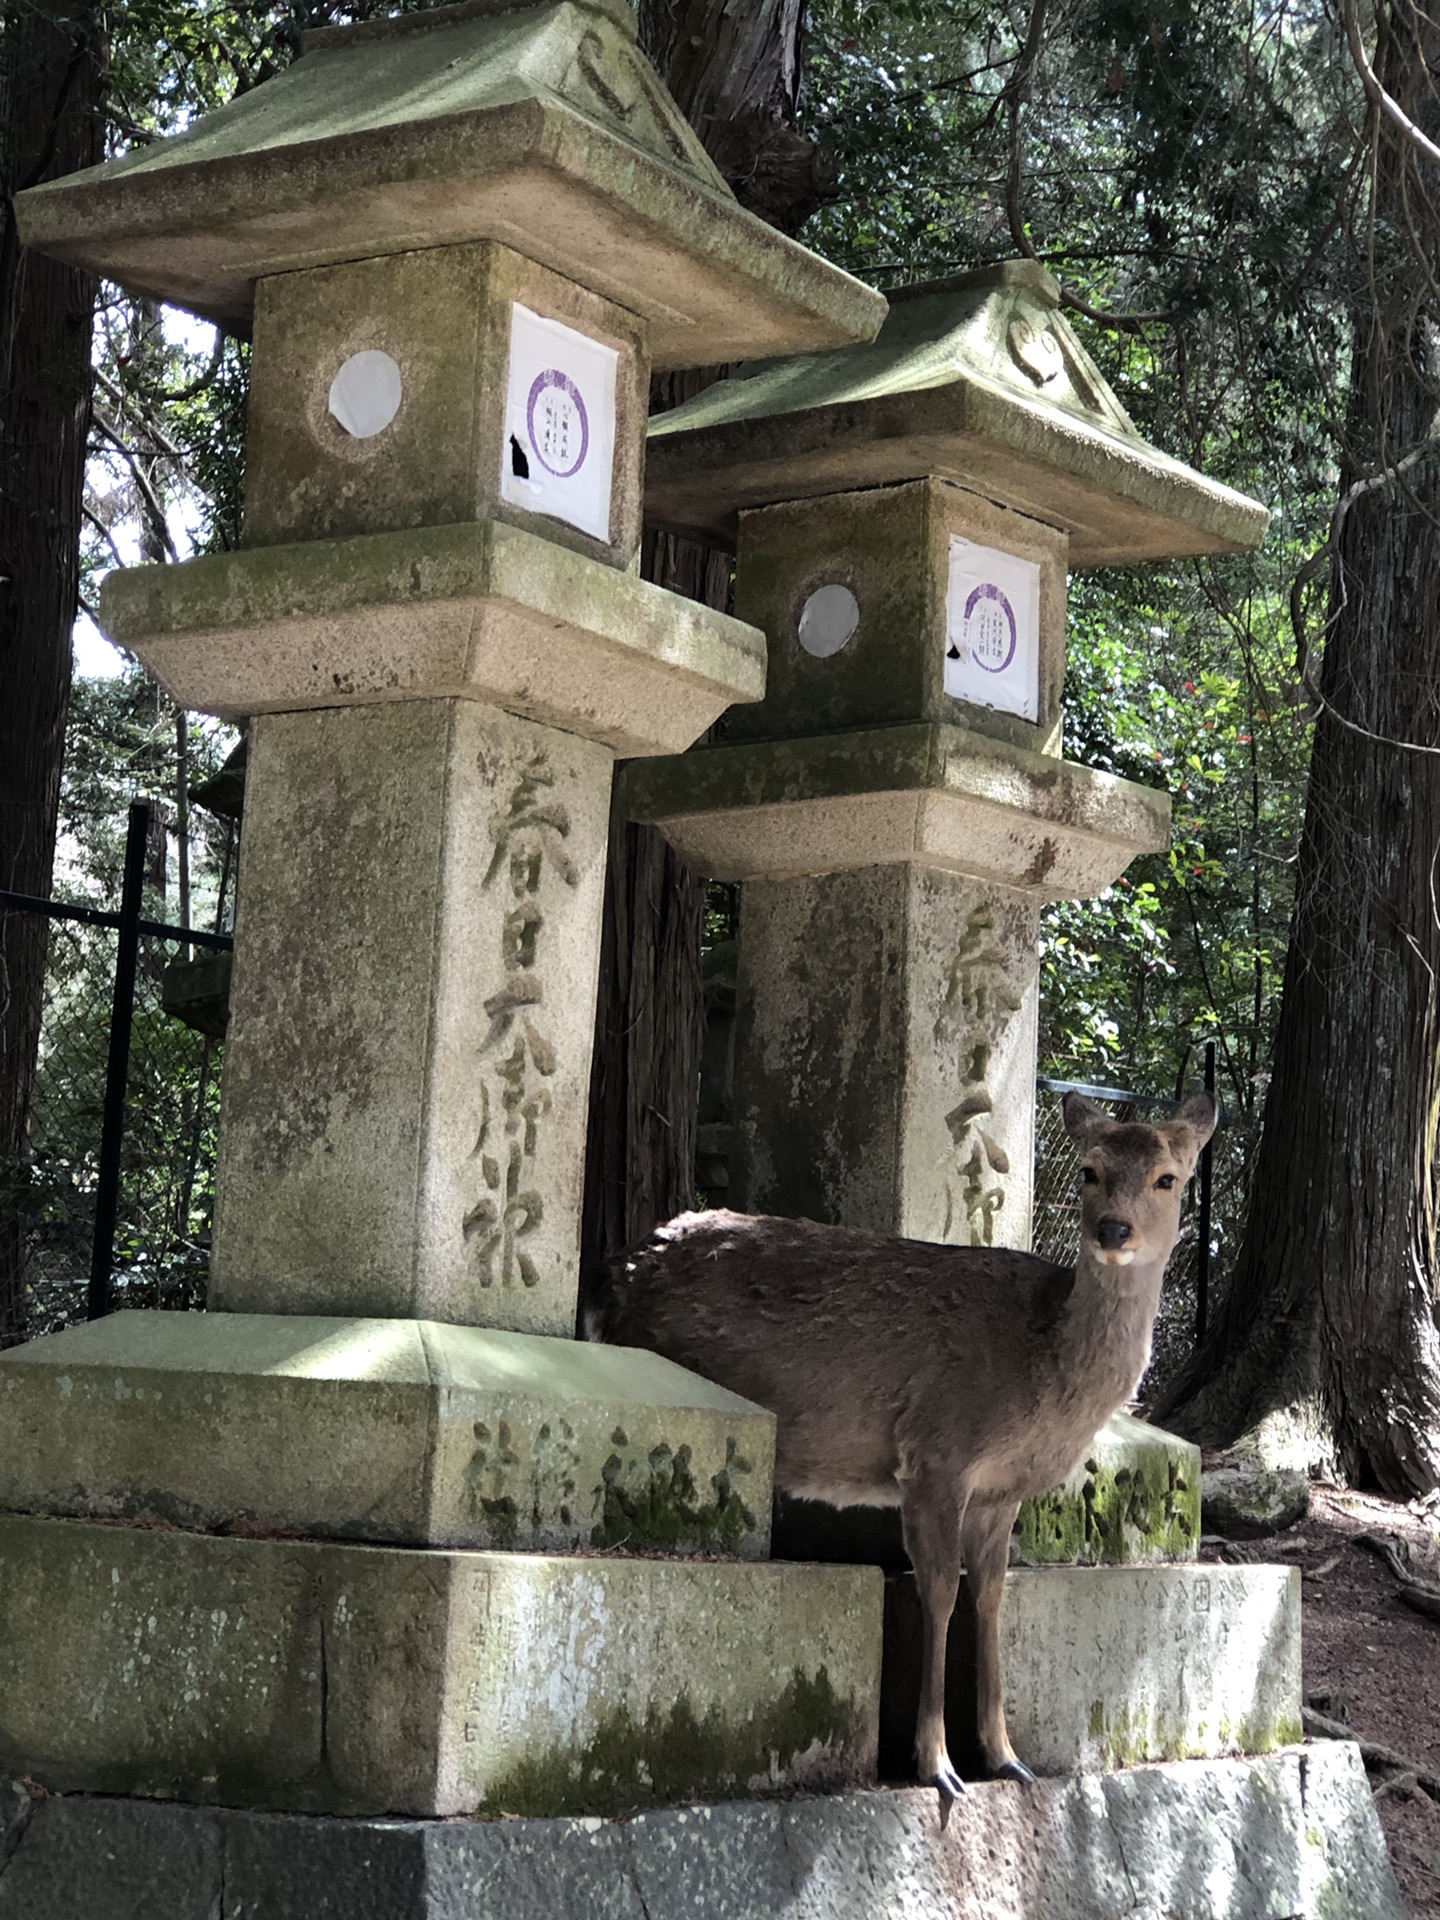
(357, 1350)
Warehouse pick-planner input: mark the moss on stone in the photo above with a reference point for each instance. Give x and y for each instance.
(665, 1510)
(1133, 1737)
(679, 1754)
(1146, 1510)
(501, 1521)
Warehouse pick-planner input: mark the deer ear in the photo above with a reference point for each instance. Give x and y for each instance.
(1082, 1118)
(1198, 1116)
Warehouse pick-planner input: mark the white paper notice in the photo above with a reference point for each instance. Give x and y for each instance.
(559, 450)
(992, 629)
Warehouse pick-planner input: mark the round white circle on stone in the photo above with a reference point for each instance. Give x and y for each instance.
(828, 620)
(365, 393)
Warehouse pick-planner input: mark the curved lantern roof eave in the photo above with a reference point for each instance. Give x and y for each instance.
(977, 380)
(540, 127)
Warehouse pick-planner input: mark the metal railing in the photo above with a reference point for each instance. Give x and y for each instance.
(114, 1201)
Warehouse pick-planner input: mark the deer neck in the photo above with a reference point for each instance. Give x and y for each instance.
(1112, 1313)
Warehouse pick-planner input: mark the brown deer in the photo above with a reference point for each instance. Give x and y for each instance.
(953, 1382)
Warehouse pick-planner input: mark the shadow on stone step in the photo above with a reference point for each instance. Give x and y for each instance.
(900, 1684)
(840, 1536)
(870, 1537)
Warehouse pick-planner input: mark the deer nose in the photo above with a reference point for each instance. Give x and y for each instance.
(1113, 1233)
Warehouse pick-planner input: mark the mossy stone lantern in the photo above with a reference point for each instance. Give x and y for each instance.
(461, 239)
(905, 515)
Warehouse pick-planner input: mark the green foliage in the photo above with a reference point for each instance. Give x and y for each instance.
(123, 744)
(1189, 945)
(163, 1226)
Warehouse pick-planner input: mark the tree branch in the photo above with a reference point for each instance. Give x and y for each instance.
(123, 401)
(105, 534)
(1376, 93)
(1323, 556)
(155, 511)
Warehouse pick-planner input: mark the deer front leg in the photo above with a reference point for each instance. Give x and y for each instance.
(930, 1513)
(985, 1546)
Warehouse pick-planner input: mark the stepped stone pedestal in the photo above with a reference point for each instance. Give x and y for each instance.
(1113, 1666)
(272, 1555)
(1293, 1834)
(408, 1432)
(365, 1680)
(1134, 1500)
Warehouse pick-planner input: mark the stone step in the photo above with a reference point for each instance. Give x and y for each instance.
(375, 1680)
(1134, 1500)
(1110, 1667)
(1294, 1833)
(415, 1433)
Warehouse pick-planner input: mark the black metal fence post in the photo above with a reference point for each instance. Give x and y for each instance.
(1202, 1244)
(117, 1068)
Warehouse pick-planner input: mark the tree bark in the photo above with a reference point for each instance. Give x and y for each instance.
(735, 73)
(52, 68)
(1328, 1340)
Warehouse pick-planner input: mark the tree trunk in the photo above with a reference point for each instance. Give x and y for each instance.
(51, 93)
(735, 74)
(1328, 1341)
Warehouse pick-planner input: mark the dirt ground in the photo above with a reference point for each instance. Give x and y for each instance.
(1369, 1661)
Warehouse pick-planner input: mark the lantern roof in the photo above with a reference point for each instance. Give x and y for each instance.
(977, 379)
(540, 126)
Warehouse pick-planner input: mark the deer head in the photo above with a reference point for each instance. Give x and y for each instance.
(1133, 1176)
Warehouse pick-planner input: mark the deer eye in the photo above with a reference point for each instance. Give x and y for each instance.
(1165, 1182)
(1089, 1176)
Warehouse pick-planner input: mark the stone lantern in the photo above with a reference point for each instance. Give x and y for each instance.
(461, 240)
(905, 515)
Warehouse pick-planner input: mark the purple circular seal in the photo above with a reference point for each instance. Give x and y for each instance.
(556, 421)
(990, 628)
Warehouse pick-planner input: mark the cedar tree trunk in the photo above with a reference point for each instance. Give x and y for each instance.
(1328, 1342)
(52, 70)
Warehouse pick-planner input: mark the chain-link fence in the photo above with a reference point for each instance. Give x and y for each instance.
(114, 1185)
(1057, 1214)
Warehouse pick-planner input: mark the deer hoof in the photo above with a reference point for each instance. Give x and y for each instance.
(948, 1784)
(1015, 1770)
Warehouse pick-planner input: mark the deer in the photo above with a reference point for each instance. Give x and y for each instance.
(953, 1382)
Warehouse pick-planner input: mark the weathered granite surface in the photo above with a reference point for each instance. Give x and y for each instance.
(408, 1432)
(1246, 1501)
(402, 1123)
(480, 612)
(935, 795)
(1292, 1836)
(1110, 1667)
(885, 1054)
(444, 316)
(891, 549)
(1134, 1500)
(374, 1680)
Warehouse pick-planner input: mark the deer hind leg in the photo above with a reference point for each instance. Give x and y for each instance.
(931, 1512)
(985, 1546)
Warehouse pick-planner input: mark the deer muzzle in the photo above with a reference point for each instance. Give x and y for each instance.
(1112, 1234)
